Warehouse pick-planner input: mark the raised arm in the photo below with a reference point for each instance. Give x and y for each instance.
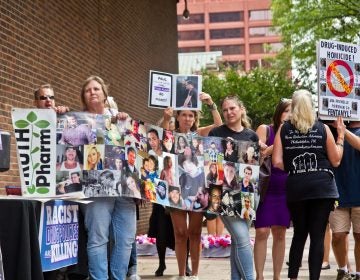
(335, 150)
(168, 113)
(277, 155)
(206, 99)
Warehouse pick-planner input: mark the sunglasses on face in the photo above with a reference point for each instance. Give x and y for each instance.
(46, 97)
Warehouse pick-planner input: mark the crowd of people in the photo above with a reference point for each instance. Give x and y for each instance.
(304, 186)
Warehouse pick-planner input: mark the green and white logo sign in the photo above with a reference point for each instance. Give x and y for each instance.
(35, 133)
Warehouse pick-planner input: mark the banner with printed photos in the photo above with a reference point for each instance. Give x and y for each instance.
(98, 156)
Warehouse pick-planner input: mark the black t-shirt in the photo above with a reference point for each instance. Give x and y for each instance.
(245, 135)
(305, 158)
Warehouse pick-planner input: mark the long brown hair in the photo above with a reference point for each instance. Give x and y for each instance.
(280, 109)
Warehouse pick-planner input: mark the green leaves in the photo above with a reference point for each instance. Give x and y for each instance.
(42, 190)
(302, 23)
(22, 124)
(31, 189)
(260, 90)
(30, 118)
(42, 124)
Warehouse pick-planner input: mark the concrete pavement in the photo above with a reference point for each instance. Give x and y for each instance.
(219, 268)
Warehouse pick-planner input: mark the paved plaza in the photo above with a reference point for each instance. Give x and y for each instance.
(219, 268)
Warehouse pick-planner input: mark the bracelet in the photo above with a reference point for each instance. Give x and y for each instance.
(340, 144)
(212, 107)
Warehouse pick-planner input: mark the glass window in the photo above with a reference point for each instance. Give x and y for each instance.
(256, 48)
(191, 35)
(261, 31)
(235, 64)
(254, 64)
(193, 19)
(260, 15)
(226, 16)
(191, 49)
(230, 49)
(275, 47)
(227, 33)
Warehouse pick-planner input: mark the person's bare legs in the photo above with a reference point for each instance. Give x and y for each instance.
(215, 226)
(357, 251)
(195, 227)
(278, 249)
(339, 245)
(211, 226)
(178, 218)
(327, 246)
(219, 226)
(261, 237)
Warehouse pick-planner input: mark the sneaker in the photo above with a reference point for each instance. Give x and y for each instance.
(193, 277)
(342, 275)
(355, 277)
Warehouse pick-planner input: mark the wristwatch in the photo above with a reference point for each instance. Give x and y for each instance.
(212, 107)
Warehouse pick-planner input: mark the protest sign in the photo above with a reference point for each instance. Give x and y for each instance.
(177, 91)
(150, 163)
(338, 79)
(59, 234)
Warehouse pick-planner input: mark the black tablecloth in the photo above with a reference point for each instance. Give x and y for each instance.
(19, 220)
(19, 227)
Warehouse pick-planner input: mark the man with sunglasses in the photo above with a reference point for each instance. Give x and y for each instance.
(44, 99)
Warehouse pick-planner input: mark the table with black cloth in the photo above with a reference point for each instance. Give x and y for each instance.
(19, 228)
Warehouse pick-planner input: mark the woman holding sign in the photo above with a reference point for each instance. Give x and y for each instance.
(237, 126)
(105, 212)
(187, 122)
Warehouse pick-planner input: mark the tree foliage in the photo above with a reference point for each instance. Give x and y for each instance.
(303, 22)
(260, 90)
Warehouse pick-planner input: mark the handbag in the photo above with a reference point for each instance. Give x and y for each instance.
(265, 171)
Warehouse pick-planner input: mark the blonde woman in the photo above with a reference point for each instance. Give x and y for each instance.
(94, 158)
(306, 150)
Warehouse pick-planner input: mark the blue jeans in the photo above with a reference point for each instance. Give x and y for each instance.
(241, 257)
(132, 269)
(119, 213)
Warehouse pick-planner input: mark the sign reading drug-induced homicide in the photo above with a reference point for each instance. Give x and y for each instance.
(338, 79)
(35, 134)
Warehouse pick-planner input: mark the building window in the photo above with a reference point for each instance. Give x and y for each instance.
(193, 19)
(226, 16)
(260, 15)
(261, 31)
(227, 33)
(191, 35)
(191, 49)
(256, 48)
(274, 47)
(235, 64)
(254, 64)
(230, 49)
(259, 63)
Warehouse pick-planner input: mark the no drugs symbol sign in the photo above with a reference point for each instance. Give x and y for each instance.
(340, 78)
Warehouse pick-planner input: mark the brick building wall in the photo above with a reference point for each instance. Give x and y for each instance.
(63, 42)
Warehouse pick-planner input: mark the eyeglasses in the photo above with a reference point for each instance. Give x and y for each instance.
(46, 97)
